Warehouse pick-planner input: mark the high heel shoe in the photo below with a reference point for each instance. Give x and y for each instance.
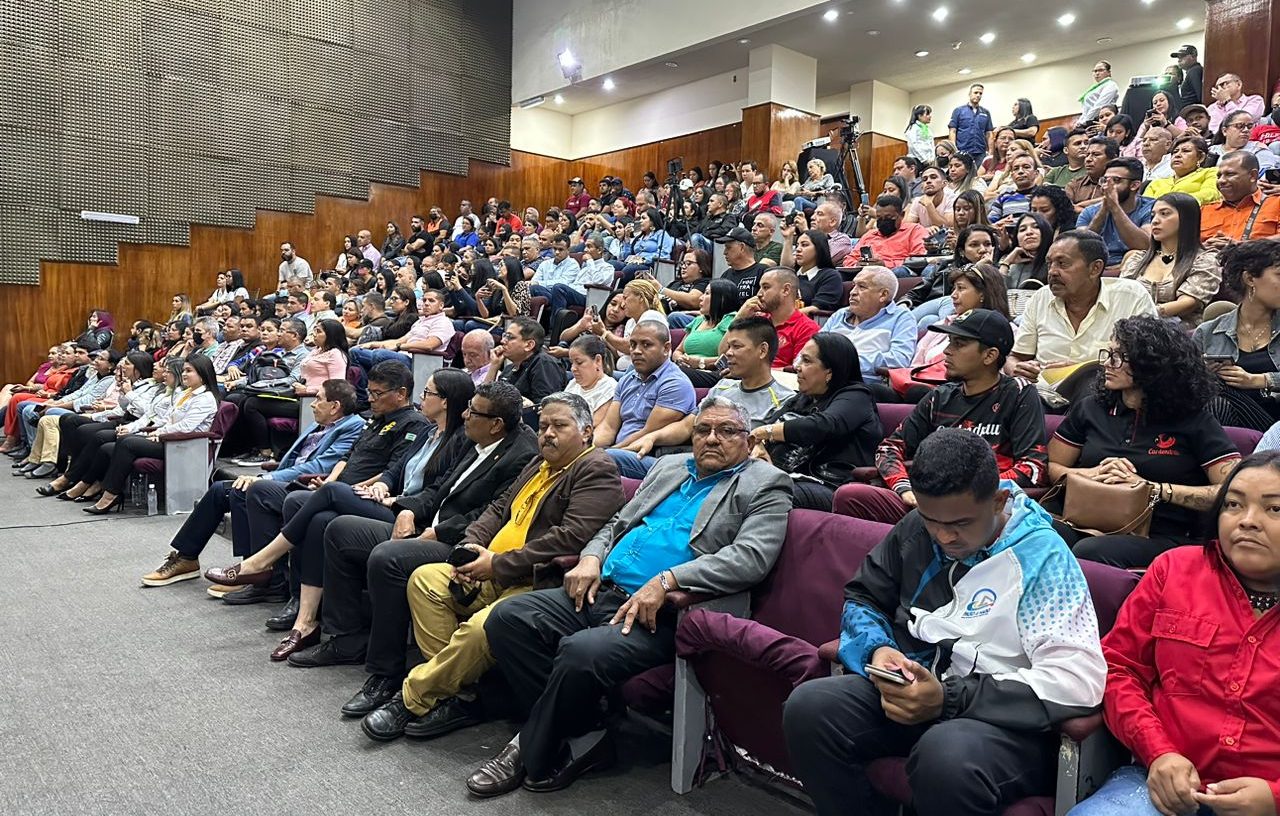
(86, 499)
(65, 496)
(116, 505)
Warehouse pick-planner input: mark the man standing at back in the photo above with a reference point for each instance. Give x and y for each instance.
(1191, 91)
(971, 127)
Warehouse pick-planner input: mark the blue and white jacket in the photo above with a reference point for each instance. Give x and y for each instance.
(1010, 631)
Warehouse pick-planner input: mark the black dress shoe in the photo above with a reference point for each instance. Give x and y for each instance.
(256, 595)
(449, 715)
(284, 620)
(500, 775)
(377, 691)
(388, 722)
(326, 654)
(601, 755)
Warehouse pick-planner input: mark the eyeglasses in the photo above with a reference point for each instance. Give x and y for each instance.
(722, 431)
(474, 412)
(427, 392)
(373, 395)
(1112, 358)
(1241, 125)
(508, 336)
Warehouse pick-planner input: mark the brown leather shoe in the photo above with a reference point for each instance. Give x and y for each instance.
(232, 576)
(295, 641)
(500, 775)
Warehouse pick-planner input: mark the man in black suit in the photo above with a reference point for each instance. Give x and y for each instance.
(427, 526)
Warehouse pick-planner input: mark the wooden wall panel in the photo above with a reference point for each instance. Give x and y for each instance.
(1243, 37)
(145, 278)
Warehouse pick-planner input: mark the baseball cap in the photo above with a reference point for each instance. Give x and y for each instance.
(607, 180)
(740, 234)
(575, 180)
(1185, 51)
(1193, 109)
(987, 327)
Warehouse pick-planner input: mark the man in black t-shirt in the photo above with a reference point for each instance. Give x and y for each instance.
(740, 254)
(419, 244)
(1002, 410)
(1191, 91)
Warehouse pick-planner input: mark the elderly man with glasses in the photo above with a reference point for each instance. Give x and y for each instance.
(711, 523)
(1229, 97)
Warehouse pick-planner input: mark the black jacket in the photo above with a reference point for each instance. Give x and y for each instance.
(843, 429)
(717, 226)
(383, 447)
(97, 339)
(461, 504)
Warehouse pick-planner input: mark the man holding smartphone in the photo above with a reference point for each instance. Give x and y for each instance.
(967, 634)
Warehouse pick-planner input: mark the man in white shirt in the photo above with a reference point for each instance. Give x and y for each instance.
(558, 278)
(1229, 96)
(1156, 143)
(1104, 91)
(464, 214)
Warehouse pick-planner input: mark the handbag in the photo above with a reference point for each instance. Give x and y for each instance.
(1099, 509)
(929, 374)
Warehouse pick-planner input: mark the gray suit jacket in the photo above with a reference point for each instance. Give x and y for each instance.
(736, 535)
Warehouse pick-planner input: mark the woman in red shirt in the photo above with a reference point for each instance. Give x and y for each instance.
(1193, 664)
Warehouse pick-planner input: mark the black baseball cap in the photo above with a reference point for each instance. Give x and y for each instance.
(987, 327)
(741, 234)
(1185, 51)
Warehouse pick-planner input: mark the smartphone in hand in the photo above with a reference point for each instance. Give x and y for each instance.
(893, 676)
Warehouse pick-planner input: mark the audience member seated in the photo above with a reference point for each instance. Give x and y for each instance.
(1156, 154)
(1074, 167)
(1007, 206)
(1148, 428)
(575, 491)
(651, 394)
(522, 360)
(58, 382)
(883, 332)
(1189, 176)
(681, 300)
(100, 331)
(892, 242)
(762, 200)
(649, 244)
(1234, 135)
(816, 187)
(1242, 347)
(828, 217)
(962, 175)
(1185, 673)
(975, 243)
(321, 446)
(1229, 97)
(1164, 114)
(432, 331)
(376, 469)
(711, 523)
(744, 270)
(193, 409)
(1028, 260)
(1122, 217)
(767, 250)
(1067, 323)
(1181, 275)
(1243, 213)
(821, 434)
(1122, 131)
(699, 351)
(776, 299)
(1087, 189)
(559, 278)
(931, 209)
(38, 422)
(591, 370)
(973, 286)
(975, 722)
(508, 294)
(821, 286)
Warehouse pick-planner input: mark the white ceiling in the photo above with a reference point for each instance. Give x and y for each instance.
(847, 54)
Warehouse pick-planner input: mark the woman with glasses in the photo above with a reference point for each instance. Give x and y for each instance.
(1233, 134)
(1189, 175)
(682, 297)
(1181, 275)
(1147, 426)
(445, 402)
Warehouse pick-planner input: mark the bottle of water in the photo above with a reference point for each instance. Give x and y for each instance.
(153, 501)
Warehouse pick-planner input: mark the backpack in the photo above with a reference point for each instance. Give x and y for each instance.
(268, 374)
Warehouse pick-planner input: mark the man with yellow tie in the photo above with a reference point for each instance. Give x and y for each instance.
(554, 507)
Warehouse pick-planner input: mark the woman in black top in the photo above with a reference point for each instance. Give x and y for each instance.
(827, 429)
(821, 286)
(1148, 423)
(1025, 125)
(394, 245)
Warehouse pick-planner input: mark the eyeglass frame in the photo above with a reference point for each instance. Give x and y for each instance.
(1107, 358)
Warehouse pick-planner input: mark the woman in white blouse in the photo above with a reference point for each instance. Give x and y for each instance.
(592, 374)
(192, 410)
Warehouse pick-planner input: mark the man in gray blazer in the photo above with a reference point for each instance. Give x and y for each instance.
(711, 523)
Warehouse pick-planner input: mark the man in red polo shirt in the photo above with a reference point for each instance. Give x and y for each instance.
(776, 300)
(891, 242)
(578, 198)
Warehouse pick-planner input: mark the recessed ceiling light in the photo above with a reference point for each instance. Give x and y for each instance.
(608, 84)
(1028, 57)
(1184, 23)
(1066, 19)
(955, 46)
(567, 60)
(922, 53)
(874, 32)
(988, 38)
(558, 99)
(1147, 2)
(940, 13)
(744, 41)
(831, 15)
(1104, 41)
(965, 71)
(671, 64)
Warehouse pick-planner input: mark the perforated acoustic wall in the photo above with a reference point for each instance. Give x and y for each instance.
(200, 111)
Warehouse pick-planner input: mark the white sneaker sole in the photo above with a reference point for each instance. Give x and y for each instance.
(186, 576)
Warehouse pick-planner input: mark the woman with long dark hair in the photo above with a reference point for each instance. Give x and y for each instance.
(700, 349)
(821, 286)
(1181, 275)
(504, 295)
(1146, 425)
(973, 286)
(1025, 124)
(1122, 131)
(918, 133)
(1051, 203)
(999, 153)
(650, 244)
(681, 298)
(826, 429)
(1027, 260)
(962, 175)
(348, 245)
(929, 301)
(393, 246)
(445, 398)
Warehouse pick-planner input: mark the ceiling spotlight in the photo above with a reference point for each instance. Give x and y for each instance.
(569, 66)
(940, 13)
(922, 53)
(1066, 19)
(875, 32)
(965, 71)
(1104, 41)
(567, 60)
(608, 84)
(1184, 23)
(1147, 2)
(558, 99)
(670, 64)
(744, 41)
(831, 15)
(988, 38)
(1028, 57)
(955, 46)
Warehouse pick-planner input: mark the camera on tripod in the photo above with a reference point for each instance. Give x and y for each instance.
(849, 129)
(675, 167)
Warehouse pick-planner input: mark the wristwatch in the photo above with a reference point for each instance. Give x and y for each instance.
(662, 579)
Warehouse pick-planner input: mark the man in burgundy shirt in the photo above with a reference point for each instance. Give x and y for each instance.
(776, 299)
(578, 198)
(891, 242)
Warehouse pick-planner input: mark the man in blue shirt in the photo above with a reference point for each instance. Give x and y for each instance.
(971, 127)
(1122, 218)
(652, 394)
(557, 278)
(711, 523)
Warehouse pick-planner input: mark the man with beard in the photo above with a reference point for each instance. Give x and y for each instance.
(1122, 218)
(776, 300)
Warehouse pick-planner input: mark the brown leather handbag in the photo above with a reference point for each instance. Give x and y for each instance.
(1099, 509)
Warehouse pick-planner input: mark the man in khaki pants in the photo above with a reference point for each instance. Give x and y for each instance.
(554, 507)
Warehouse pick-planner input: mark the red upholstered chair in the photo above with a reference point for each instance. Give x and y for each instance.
(1245, 439)
(677, 337)
(701, 393)
(188, 461)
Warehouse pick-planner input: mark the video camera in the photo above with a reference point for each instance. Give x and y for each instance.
(675, 167)
(849, 129)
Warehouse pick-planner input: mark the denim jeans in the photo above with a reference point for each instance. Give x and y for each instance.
(678, 320)
(560, 295)
(932, 311)
(368, 358)
(1123, 794)
(629, 464)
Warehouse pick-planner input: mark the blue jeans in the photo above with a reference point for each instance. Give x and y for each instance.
(1123, 794)
(629, 464)
(802, 203)
(678, 320)
(560, 295)
(932, 311)
(368, 358)
(702, 242)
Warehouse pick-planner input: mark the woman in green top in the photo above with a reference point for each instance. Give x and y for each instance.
(698, 352)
